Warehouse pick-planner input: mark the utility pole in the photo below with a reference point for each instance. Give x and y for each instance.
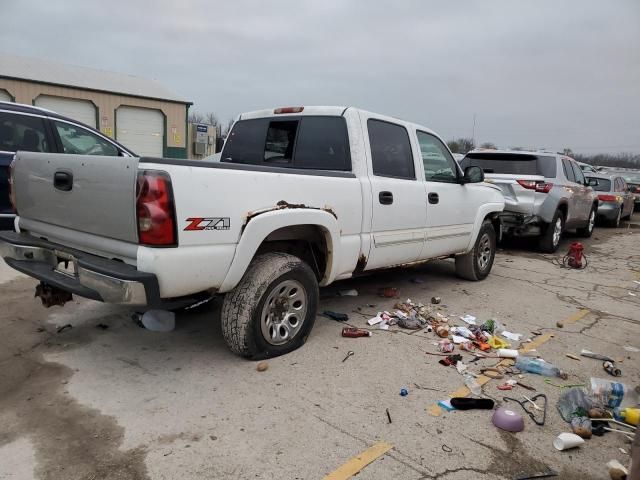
(473, 136)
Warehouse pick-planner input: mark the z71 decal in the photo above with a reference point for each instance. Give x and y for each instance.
(213, 223)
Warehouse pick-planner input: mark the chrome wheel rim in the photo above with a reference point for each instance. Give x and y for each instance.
(484, 251)
(592, 221)
(284, 312)
(557, 231)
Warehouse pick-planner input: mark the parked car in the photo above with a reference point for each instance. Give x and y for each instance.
(586, 168)
(545, 193)
(33, 129)
(616, 201)
(633, 182)
(349, 193)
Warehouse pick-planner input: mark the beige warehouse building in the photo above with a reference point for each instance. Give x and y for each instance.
(141, 114)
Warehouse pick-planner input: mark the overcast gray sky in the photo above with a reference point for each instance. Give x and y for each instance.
(539, 73)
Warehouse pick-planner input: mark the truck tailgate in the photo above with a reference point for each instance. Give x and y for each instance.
(86, 193)
(517, 198)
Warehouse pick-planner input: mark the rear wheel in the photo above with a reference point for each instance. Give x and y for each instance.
(273, 308)
(476, 264)
(550, 239)
(587, 230)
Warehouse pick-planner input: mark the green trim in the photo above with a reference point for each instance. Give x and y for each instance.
(165, 146)
(176, 152)
(13, 99)
(110, 92)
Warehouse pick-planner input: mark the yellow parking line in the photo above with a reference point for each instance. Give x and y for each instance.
(360, 461)
(435, 410)
(577, 316)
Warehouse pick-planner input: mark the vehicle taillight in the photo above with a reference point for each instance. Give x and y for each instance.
(288, 110)
(637, 189)
(12, 190)
(538, 186)
(155, 209)
(607, 198)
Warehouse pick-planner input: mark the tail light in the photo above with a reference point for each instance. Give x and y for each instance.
(637, 189)
(12, 189)
(155, 209)
(281, 110)
(537, 185)
(607, 198)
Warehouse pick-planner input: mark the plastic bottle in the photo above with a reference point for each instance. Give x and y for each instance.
(630, 415)
(612, 394)
(539, 366)
(472, 385)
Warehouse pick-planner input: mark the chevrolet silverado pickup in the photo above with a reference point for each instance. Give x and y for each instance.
(301, 197)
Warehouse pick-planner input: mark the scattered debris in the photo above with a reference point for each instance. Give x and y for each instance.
(389, 292)
(446, 404)
(608, 393)
(388, 416)
(446, 346)
(348, 293)
(64, 327)
(560, 324)
(507, 353)
(159, 320)
(102, 326)
(412, 322)
(350, 353)
(497, 343)
(633, 294)
(464, 403)
(629, 348)
(540, 367)
(262, 366)
(436, 300)
(375, 320)
(511, 336)
(529, 476)
(470, 319)
(596, 356)
(404, 392)
(565, 441)
(611, 369)
(338, 317)
(535, 406)
(446, 448)
(617, 471)
(450, 360)
(571, 401)
(581, 426)
(572, 356)
(508, 420)
(353, 332)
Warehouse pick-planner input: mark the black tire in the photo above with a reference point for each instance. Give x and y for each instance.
(548, 242)
(242, 308)
(615, 223)
(476, 264)
(587, 230)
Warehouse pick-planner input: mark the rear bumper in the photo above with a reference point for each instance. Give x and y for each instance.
(94, 277)
(608, 210)
(521, 225)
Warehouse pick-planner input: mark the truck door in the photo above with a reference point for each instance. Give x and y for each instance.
(398, 214)
(572, 190)
(451, 206)
(584, 193)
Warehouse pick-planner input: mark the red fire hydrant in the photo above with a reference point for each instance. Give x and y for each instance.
(574, 257)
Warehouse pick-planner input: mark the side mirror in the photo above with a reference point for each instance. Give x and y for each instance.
(473, 175)
(592, 182)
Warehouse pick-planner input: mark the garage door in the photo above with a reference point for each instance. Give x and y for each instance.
(4, 96)
(81, 110)
(140, 129)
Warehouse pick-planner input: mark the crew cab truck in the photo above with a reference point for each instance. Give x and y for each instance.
(301, 197)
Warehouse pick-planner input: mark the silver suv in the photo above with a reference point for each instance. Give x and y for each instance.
(545, 193)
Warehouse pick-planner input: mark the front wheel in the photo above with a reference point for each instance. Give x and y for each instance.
(550, 239)
(273, 308)
(476, 264)
(587, 230)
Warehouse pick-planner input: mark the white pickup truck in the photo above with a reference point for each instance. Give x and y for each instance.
(301, 197)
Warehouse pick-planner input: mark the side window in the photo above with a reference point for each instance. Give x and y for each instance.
(22, 132)
(568, 171)
(80, 141)
(578, 172)
(390, 150)
(439, 165)
(245, 143)
(323, 144)
(281, 138)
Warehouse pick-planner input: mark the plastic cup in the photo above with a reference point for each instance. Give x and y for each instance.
(565, 441)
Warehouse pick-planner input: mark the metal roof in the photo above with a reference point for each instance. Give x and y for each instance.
(46, 71)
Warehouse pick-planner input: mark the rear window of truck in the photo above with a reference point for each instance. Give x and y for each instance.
(511, 163)
(319, 143)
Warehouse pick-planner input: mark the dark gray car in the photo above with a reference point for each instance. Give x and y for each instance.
(616, 201)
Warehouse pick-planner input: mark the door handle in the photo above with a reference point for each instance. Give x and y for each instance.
(433, 198)
(63, 181)
(385, 198)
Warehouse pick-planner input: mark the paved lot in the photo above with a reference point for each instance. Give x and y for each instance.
(126, 403)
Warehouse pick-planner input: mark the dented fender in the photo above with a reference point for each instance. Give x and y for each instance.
(258, 226)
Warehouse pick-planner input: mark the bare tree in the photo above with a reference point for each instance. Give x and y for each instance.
(211, 118)
(489, 145)
(207, 118)
(461, 145)
(228, 128)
